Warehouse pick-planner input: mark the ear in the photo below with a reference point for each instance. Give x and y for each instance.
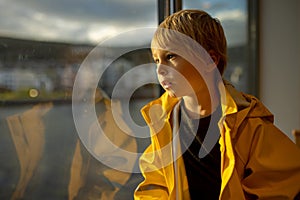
(215, 61)
(214, 57)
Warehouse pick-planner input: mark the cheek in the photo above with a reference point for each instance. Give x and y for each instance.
(190, 72)
(186, 69)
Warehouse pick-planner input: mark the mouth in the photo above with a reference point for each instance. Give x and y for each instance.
(166, 84)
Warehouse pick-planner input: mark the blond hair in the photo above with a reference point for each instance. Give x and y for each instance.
(201, 27)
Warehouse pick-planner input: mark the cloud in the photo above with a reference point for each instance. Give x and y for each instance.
(234, 14)
(235, 25)
(80, 21)
(92, 21)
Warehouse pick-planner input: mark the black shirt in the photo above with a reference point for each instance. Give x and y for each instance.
(203, 174)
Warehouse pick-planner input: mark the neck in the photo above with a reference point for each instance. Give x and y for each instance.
(201, 105)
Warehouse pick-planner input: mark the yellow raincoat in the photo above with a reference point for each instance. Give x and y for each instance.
(258, 161)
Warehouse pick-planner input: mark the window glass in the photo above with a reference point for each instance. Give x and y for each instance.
(43, 46)
(73, 76)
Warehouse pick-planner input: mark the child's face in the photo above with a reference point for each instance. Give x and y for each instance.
(176, 75)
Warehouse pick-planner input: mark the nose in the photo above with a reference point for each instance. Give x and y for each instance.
(161, 69)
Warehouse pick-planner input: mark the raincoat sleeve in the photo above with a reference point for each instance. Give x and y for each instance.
(154, 185)
(273, 167)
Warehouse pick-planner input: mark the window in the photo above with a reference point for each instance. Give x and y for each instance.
(44, 45)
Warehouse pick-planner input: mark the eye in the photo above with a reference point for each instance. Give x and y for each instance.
(170, 56)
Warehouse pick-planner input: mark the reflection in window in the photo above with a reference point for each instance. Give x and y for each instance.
(42, 46)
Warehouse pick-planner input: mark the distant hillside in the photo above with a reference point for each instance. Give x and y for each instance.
(12, 50)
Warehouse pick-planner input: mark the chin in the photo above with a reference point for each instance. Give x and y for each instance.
(172, 94)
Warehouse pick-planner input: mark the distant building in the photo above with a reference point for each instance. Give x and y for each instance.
(19, 79)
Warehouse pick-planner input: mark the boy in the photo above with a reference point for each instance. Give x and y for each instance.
(209, 141)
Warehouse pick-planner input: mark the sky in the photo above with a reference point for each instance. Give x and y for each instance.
(92, 21)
